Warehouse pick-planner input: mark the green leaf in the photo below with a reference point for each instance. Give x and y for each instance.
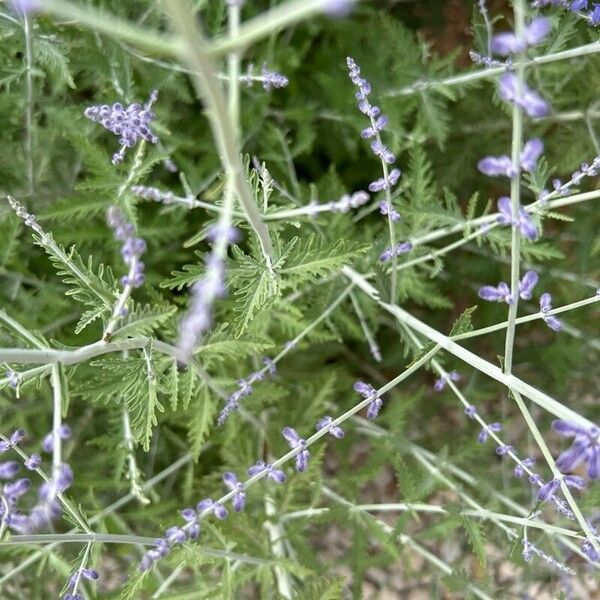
(464, 322)
(321, 589)
(200, 419)
(476, 538)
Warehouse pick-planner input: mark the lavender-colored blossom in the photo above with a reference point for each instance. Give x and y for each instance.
(383, 183)
(295, 441)
(272, 473)
(13, 491)
(327, 423)
(578, 5)
(17, 436)
(532, 150)
(523, 222)
(33, 462)
(400, 248)
(471, 411)
(239, 499)
(484, 434)
(442, 382)
(584, 449)
(131, 123)
(527, 283)
(336, 9)
(529, 100)
(199, 316)
(272, 79)
(379, 124)
(548, 490)
(271, 366)
(231, 234)
(385, 208)
(64, 433)
(89, 574)
(383, 152)
(595, 15)
(545, 306)
(367, 391)
(504, 450)
(530, 549)
(13, 378)
(520, 468)
(349, 201)
(500, 293)
(507, 42)
(209, 506)
(497, 165)
(131, 249)
(9, 469)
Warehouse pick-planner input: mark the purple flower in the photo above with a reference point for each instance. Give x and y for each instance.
(520, 468)
(379, 125)
(529, 100)
(578, 5)
(504, 449)
(15, 490)
(500, 293)
(16, 436)
(64, 433)
(584, 449)
(497, 165)
(209, 505)
(338, 8)
(595, 16)
(507, 42)
(385, 208)
(239, 499)
(530, 154)
(442, 382)
(131, 123)
(295, 441)
(33, 462)
(131, 249)
(484, 434)
(347, 201)
(13, 378)
(9, 469)
(367, 391)
(470, 411)
(546, 306)
(383, 183)
(527, 283)
(400, 248)
(271, 79)
(382, 151)
(272, 473)
(327, 423)
(548, 490)
(89, 574)
(524, 222)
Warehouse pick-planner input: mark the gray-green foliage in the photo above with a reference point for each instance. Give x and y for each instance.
(308, 137)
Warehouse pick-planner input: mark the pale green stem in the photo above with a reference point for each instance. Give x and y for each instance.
(510, 381)
(209, 88)
(373, 346)
(276, 537)
(233, 65)
(268, 23)
(82, 564)
(407, 541)
(28, 102)
(490, 73)
(515, 192)
(166, 584)
(56, 426)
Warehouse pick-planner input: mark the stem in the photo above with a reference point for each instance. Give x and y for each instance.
(233, 66)
(134, 473)
(491, 72)
(509, 380)
(56, 426)
(207, 85)
(28, 102)
(515, 193)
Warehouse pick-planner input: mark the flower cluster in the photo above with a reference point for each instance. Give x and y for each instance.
(327, 423)
(545, 307)
(385, 208)
(530, 549)
(378, 123)
(502, 165)
(502, 292)
(245, 389)
(562, 189)
(269, 79)
(64, 433)
(132, 248)
(523, 221)
(295, 441)
(529, 100)
(581, 5)
(585, 448)
(441, 383)
(507, 42)
(397, 250)
(548, 490)
(343, 205)
(367, 391)
(74, 580)
(131, 123)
